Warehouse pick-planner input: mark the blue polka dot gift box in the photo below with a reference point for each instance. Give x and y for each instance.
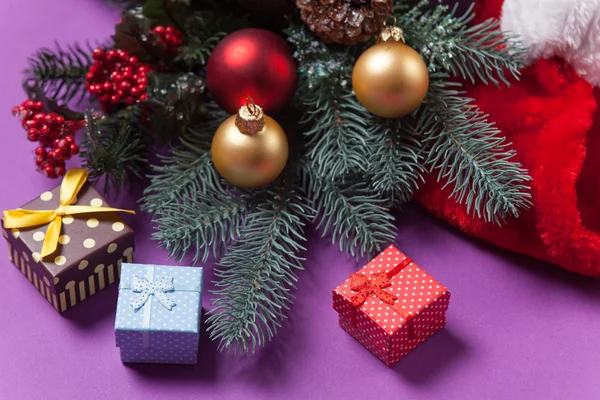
(391, 305)
(158, 314)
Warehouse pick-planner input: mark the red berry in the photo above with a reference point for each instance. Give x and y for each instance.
(112, 56)
(116, 76)
(60, 170)
(70, 139)
(39, 159)
(57, 154)
(135, 92)
(63, 144)
(60, 120)
(45, 130)
(143, 97)
(129, 101)
(50, 119)
(98, 54)
(125, 86)
(39, 118)
(40, 151)
(143, 69)
(74, 149)
(142, 80)
(133, 61)
(128, 75)
(49, 171)
(114, 99)
(28, 123)
(33, 135)
(159, 30)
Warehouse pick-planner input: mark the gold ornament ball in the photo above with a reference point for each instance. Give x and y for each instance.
(390, 79)
(249, 160)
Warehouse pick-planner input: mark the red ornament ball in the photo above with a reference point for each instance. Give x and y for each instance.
(252, 63)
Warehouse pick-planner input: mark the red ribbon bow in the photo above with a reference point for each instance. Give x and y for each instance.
(366, 286)
(374, 284)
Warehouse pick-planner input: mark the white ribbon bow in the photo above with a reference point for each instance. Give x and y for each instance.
(158, 289)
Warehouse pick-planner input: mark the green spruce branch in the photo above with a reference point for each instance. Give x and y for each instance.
(396, 166)
(355, 216)
(115, 148)
(187, 170)
(470, 154)
(258, 273)
(480, 52)
(60, 72)
(336, 124)
(203, 224)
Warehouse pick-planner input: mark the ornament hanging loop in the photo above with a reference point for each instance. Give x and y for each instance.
(250, 118)
(248, 101)
(391, 32)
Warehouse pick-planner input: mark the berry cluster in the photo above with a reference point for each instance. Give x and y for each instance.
(170, 38)
(116, 79)
(54, 133)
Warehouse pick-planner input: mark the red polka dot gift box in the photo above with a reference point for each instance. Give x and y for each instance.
(391, 305)
(67, 242)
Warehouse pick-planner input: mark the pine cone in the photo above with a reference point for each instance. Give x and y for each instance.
(345, 21)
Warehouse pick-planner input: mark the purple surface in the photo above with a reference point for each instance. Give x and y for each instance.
(516, 328)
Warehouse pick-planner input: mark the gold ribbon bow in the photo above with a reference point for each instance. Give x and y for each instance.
(70, 186)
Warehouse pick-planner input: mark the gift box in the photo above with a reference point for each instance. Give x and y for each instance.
(68, 244)
(158, 314)
(391, 305)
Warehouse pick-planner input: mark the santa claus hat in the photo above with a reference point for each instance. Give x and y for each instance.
(566, 28)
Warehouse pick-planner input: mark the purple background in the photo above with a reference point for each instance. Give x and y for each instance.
(516, 329)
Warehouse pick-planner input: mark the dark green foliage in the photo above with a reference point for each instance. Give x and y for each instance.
(447, 43)
(355, 216)
(177, 103)
(203, 224)
(188, 169)
(258, 273)
(347, 168)
(115, 148)
(60, 72)
(398, 167)
(470, 154)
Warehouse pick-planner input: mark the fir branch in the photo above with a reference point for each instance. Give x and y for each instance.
(177, 103)
(353, 214)
(60, 73)
(470, 154)
(257, 275)
(196, 52)
(337, 124)
(187, 170)
(115, 148)
(204, 223)
(447, 43)
(396, 164)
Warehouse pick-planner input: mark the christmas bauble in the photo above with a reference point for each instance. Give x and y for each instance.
(249, 149)
(251, 62)
(390, 79)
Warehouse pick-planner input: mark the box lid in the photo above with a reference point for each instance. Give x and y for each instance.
(154, 315)
(415, 290)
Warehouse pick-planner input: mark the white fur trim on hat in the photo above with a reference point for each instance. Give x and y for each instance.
(566, 28)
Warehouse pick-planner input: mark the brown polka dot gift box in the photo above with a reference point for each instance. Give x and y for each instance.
(391, 305)
(67, 242)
